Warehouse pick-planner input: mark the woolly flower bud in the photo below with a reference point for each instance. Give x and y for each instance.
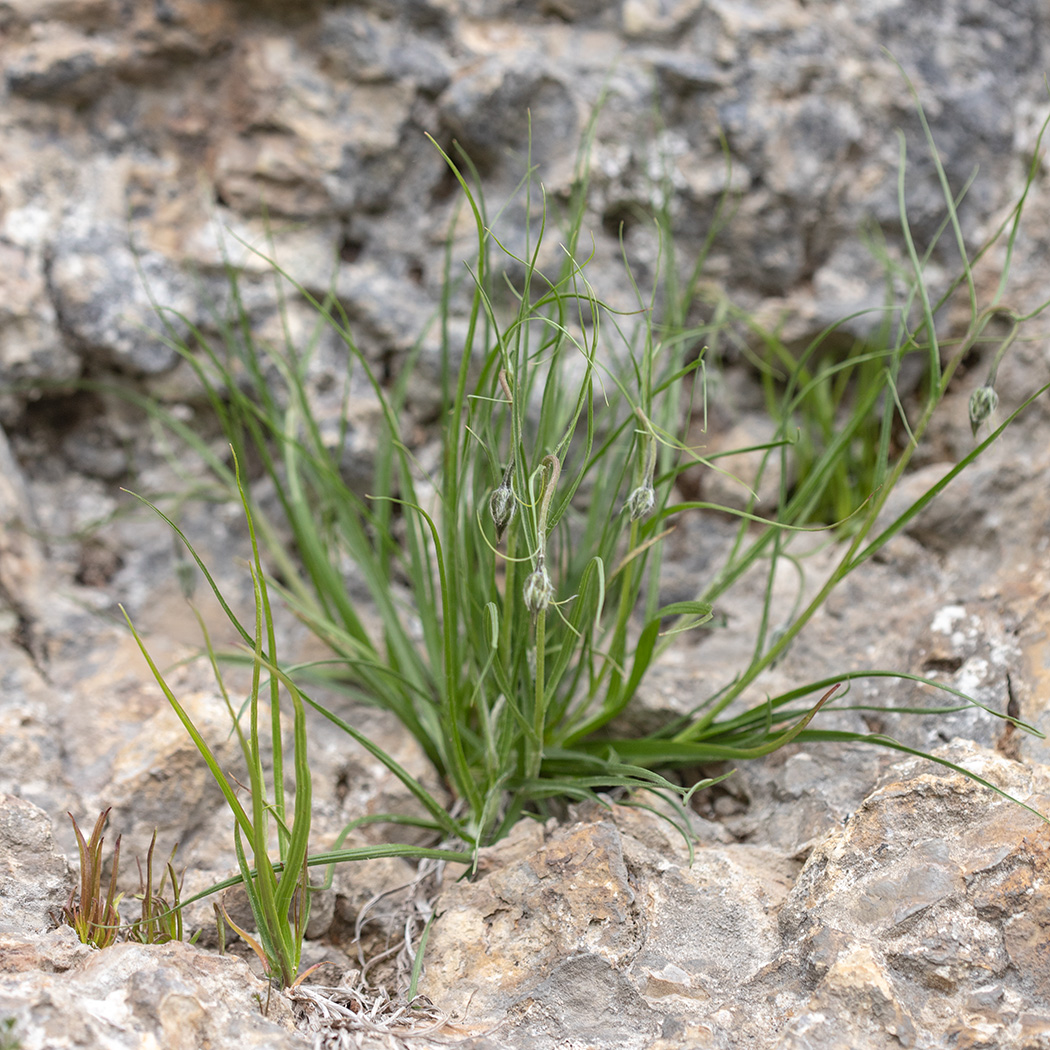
(538, 591)
(983, 402)
(502, 505)
(640, 503)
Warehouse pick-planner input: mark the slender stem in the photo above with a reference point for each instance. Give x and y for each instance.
(539, 709)
(509, 605)
(846, 565)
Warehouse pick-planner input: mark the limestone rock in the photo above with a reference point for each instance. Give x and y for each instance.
(921, 919)
(22, 556)
(33, 764)
(34, 880)
(541, 901)
(619, 898)
(653, 21)
(100, 294)
(363, 46)
(488, 113)
(30, 346)
(131, 995)
(75, 51)
(584, 1001)
(918, 923)
(196, 113)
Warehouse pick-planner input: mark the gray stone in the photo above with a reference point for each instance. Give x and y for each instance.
(34, 880)
(67, 70)
(31, 349)
(22, 556)
(658, 21)
(103, 307)
(361, 46)
(132, 995)
(33, 763)
(915, 924)
(930, 893)
(490, 112)
(326, 123)
(584, 1002)
(618, 895)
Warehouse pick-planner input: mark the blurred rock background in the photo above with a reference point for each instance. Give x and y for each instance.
(141, 140)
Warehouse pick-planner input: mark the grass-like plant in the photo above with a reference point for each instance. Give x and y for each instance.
(545, 476)
(875, 397)
(517, 587)
(160, 921)
(279, 890)
(279, 896)
(809, 393)
(92, 915)
(9, 1039)
(96, 918)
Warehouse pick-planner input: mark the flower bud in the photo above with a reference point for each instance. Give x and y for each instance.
(538, 591)
(983, 402)
(502, 505)
(640, 503)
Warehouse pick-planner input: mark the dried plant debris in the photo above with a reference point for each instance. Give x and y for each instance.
(345, 1016)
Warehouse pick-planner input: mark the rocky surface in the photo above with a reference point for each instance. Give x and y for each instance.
(918, 923)
(836, 899)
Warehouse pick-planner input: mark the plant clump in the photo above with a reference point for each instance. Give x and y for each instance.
(96, 916)
(510, 644)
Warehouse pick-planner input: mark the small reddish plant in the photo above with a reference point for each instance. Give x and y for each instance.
(160, 922)
(94, 917)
